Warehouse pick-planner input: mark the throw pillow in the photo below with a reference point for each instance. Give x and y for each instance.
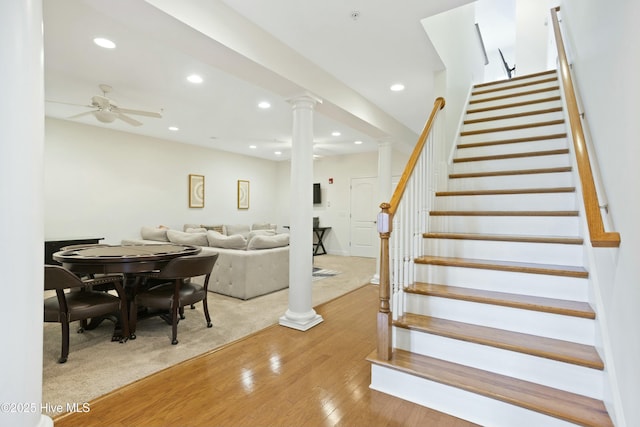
(253, 233)
(264, 226)
(268, 242)
(196, 230)
(153, 233)
(184, 238)
(231, 229)
(218, 228)
(184, 227)
(219, 240)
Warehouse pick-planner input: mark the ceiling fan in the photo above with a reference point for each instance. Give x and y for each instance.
(106, 110)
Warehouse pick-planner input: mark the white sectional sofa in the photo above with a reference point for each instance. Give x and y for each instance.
(246, 270)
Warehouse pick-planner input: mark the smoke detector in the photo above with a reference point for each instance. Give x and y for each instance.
(355, 14)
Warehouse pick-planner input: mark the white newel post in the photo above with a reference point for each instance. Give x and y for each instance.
(300, 314)
(21, 212)
(384, 191)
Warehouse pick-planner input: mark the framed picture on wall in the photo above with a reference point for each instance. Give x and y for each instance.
(196, 191)
(243, 194)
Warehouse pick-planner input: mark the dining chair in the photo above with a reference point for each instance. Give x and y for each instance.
(75, 300)
(173, 289)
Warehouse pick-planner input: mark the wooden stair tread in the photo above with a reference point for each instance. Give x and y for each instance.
(513, 116)
(512, 155)
(560, 404)
(560, 169)
(512, 141)
(506, 191)
(504, 213)
(514, 127)
(506, 238)
(526, 302)
(515, 79)
(513, 104)
(515, 86)
(511, 266)
(514, 95)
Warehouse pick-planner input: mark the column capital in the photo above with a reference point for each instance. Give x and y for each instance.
(304, 99)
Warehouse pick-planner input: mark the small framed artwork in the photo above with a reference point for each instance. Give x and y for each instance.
(243, 194)
(196, 191)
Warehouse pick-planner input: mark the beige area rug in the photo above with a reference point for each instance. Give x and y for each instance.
(96, 365)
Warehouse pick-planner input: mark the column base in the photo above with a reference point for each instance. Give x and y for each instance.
(300, 321)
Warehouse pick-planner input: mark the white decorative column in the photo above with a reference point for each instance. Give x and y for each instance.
(384, 190)
(21, 212)
(300, 314)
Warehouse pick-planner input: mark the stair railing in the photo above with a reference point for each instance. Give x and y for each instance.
(407, 216)
(599, 237)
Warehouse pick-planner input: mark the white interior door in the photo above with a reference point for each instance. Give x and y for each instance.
(364, 211)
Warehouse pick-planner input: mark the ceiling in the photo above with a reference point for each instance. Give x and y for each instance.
(352, 49)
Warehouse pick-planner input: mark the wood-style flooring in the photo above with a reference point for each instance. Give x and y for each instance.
(276, 377)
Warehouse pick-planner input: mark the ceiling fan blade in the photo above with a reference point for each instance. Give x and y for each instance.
(81, 114)
(69, 103)
(129, 120)
(140, 113)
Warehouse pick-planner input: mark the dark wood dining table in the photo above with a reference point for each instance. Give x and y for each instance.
(121, 259)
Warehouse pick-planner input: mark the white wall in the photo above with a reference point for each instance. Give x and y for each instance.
(336, 198)
(105, 183)
(602, 38)
(454, 36)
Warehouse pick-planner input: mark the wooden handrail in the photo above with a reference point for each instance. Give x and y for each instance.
(599, 237)
(438, 104)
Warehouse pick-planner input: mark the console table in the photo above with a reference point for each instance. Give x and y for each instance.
(317, 246)
(53, 246)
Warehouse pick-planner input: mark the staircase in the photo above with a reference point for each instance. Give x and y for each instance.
(498, 328)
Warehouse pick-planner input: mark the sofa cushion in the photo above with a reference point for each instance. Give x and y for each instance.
(253, 233)
(219, 240)
(184, 227)
(154, 233)
(267, 242)
(231, 229)
(219, 228)
(184, 238)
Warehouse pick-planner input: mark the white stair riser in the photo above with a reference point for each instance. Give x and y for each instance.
(528, 226)
(457, 402)
(514, 121)
(567, 328)
(534, 180)
(513, 110)
(516, 147)
(502, 102)
(564, 201)
(569, 288)
(532, 162)
(498, 135)
(491, 92)
(551, 373)
(506, 83)
(542, 253)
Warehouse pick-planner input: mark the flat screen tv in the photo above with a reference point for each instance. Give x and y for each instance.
(317, 194)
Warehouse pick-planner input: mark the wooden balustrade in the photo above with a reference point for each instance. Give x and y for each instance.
(385, 228)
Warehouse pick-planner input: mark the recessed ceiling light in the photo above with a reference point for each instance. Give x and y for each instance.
(397, 87)
(264, 105)
(336, 133)
(105, 43)
(278, 153)
(253, 147)
(357, 142)
(174, 128)
(194, 78)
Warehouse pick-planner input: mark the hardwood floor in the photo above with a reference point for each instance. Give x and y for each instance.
(276, 377)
